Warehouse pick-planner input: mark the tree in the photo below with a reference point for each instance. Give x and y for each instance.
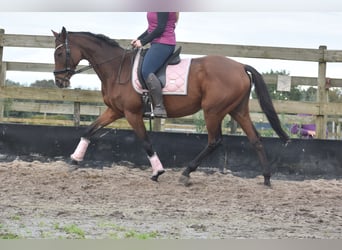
(43, 84)
(335, 95)
(309, 95)
(11, 83)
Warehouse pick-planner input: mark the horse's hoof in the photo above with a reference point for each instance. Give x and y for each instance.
(74, 162)
(155, 176)
(185, 180)
(73, 165)
(267, 180)
(267, 183)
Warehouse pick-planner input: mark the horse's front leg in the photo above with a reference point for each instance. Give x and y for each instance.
(103, 120)
(137, 123)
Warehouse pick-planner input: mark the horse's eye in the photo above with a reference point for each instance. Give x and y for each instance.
(58, 54)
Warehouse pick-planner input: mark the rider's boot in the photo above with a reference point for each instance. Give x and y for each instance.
(154, 86)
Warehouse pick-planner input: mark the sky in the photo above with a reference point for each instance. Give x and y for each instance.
(292, 28)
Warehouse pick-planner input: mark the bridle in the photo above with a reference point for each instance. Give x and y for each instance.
(68, 59)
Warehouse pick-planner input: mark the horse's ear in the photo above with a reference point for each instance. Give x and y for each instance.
(55, 33)
(64, 33)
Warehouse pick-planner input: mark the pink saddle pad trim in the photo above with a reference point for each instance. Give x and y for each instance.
(176, 77)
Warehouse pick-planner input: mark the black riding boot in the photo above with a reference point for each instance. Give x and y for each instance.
(154, 86)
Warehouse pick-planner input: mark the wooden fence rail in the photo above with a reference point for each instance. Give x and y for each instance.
(322, 109)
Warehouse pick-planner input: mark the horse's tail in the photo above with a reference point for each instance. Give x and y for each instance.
(266, 104)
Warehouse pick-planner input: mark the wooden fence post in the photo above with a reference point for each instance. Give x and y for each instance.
(233, 126)
(2, 32)
(157, 124)
(2, 72)
(77, 114)
(322, 95)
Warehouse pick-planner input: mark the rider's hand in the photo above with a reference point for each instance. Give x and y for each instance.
(136, 43)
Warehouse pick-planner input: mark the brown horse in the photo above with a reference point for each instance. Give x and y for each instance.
(216, 84)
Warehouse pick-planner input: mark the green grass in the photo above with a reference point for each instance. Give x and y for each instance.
(56, 226)
(75, 230)
(112, 231)
(71, 229)
(119, 232)
(5, 235)
(140, 236)
(15, 217)
(8, 236)
(112, 226)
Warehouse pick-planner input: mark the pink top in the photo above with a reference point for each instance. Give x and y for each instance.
(168, 36)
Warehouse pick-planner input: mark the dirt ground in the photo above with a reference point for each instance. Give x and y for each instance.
(44, 200)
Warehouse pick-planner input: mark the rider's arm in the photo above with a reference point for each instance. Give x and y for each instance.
(158, 31)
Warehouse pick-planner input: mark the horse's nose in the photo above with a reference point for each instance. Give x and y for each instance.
(59, 83)
(62, 83)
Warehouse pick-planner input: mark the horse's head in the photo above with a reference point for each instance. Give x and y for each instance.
(67, 58)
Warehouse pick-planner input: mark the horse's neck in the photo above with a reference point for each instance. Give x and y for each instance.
(104, 58)
(96, 53)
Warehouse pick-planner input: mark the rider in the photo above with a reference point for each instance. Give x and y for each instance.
(162, 38)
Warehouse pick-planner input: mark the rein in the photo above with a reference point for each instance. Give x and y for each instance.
(120, 67)
(70, 72)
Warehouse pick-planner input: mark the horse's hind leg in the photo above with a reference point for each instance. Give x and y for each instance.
(193, 165)
(246, 124)
(103, 120)
(214, 140)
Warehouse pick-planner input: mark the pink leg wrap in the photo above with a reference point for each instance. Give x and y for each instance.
(80, 150)
(156, 164)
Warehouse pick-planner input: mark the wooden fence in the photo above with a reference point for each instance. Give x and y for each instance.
(322, 110)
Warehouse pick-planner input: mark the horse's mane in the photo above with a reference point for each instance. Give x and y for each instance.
(99, 36)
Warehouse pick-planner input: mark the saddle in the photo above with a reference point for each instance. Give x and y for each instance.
(173, 59)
